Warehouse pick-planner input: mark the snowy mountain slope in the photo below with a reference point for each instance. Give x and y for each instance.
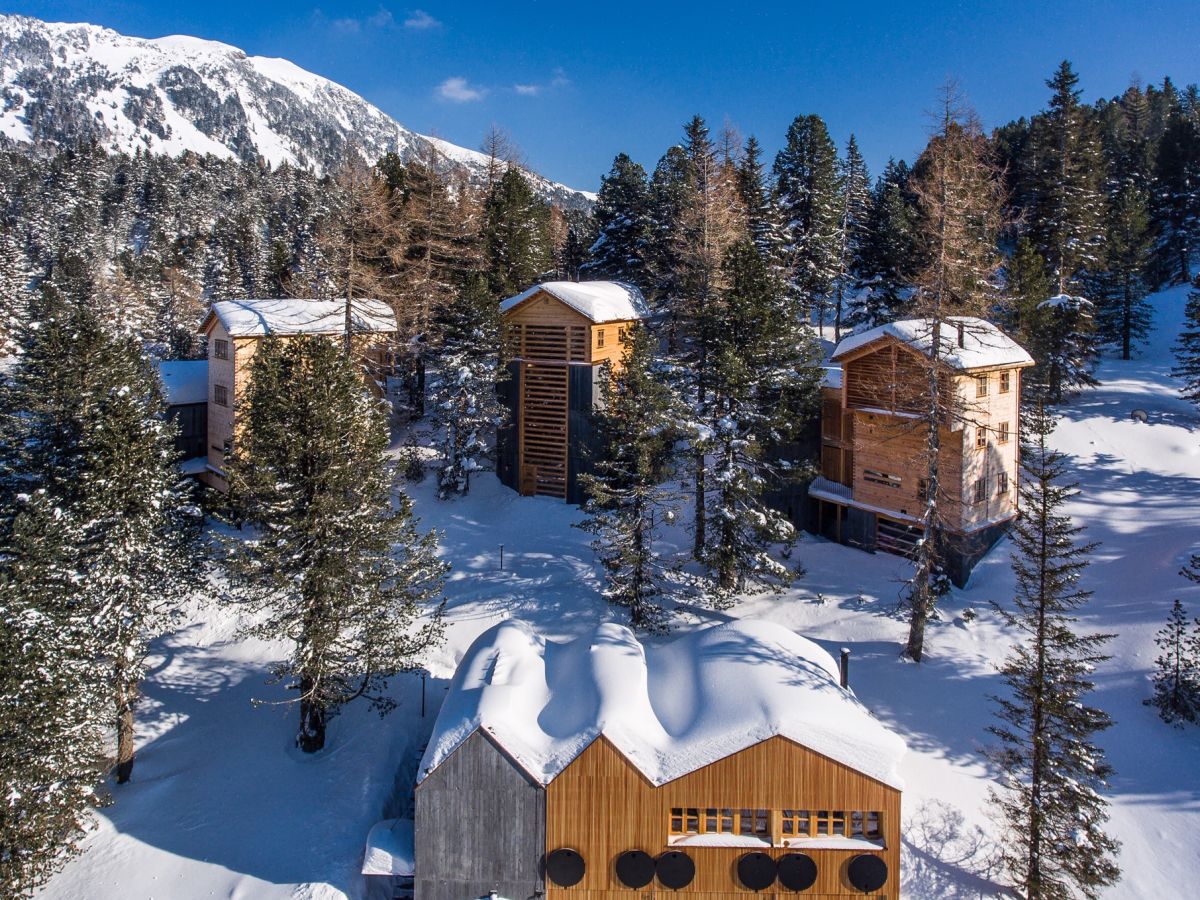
(62, 83)
(220, 805)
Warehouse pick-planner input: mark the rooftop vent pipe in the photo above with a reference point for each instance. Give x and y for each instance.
(844, 668)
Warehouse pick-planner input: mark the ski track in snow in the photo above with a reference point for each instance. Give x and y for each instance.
(222, 806)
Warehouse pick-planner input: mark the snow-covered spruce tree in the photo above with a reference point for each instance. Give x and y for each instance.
(1177, 675)
(1176, 208)
(335, 565)
(1049, 799)
(14, 289)
(1066, 221)
(622, 222)
(765, 381)
(854, 210)
(889, 254)
(959, 205)
(516, 245)
(93, 439)
(55, 712)
(1058, 330)
(1123, 316)
(465, 406)
(807, 187)
(1187, 348)
(762, 215)
(629, 497)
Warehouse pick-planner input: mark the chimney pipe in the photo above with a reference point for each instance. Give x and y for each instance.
(961, 331)
(844, 668)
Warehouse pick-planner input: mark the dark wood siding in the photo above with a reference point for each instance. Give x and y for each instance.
(480, 825)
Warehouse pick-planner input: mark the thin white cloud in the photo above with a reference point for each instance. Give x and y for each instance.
(347, 26)
(419, 20)
(560, 78)
(382, 19)
(458, 90)
(527, 90)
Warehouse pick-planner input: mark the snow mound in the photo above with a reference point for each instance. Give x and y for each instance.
(248, 318)
(983, 344)
(600, 301)
(669, 709)
(184, 380)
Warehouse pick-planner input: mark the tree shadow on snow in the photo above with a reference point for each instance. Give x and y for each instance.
(943, 857)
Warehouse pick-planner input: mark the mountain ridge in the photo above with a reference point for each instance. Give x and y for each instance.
(62, 83)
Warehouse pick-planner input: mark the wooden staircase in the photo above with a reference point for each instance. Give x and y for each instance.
(543, 418)
(896, 537)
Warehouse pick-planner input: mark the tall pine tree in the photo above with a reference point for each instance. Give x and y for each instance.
(336, 565)
(1055, 846)
(629, 498)
(622, 220)
(1177, 670)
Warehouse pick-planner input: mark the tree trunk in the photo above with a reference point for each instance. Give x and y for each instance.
(126, 695)
(311, 736)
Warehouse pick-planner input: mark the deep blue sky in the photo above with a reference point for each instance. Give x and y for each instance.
(575, 83)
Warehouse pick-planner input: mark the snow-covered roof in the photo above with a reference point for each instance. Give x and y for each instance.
(983, 344)
(249, 318)
(670, 709)
(184, 380)
(600, 301)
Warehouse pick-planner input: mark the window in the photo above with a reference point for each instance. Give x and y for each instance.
(981, 438)
(220, 349)
(1002, 433)
(1005, 382)
(716, 820)
(796, 822)
(884, 478)
(220, 395)
(922, 489)
(599, 337)
(1001, 483)
(981, 385)
(865, 825)
(980, 490)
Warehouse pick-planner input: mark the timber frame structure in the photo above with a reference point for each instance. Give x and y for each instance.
(557, 336)
(871, 492)
(544, 777)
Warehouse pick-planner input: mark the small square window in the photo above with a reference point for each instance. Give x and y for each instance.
(980, 490)
(981, 438)
(873, 830)
(981, 385)
(220, 349)
(1005, 382)
(1002, 433)
(220, 395)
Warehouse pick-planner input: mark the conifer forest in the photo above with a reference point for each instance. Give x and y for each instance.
(217, 688)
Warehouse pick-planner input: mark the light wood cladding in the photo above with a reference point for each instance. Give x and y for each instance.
(602, 806)
(543, 433)
(891, 377)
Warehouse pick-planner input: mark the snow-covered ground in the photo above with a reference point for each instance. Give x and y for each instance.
(221, 805)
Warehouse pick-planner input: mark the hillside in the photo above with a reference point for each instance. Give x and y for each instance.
(221, 805)
(65, 83)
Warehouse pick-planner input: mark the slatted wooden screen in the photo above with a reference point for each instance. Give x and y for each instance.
(557, 342)
(544, 430)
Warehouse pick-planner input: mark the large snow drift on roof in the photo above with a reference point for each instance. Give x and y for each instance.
(600, 301)
(184, 380)
(983, 343)
(247, 318)
(670, 709)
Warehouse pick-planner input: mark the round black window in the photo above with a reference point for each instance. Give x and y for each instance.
(675, 869)
(867, 873)
(565, 867)
(635, 868)
(756, 871)
(797, 871)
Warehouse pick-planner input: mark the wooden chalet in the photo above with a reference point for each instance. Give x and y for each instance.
(730, 761)
(557, 336)
(235, 327)
(872, 490)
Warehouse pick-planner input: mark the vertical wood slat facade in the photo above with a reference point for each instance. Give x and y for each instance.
(601, 806)
(545, 337)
